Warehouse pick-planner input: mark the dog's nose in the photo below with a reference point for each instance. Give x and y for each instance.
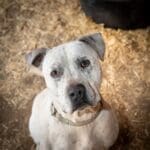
(76, 93)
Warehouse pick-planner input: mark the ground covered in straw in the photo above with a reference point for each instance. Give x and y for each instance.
(27, 24)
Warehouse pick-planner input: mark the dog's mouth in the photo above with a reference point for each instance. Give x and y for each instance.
(84, 115)
(81, 106)
(87, 113)
(87, 108)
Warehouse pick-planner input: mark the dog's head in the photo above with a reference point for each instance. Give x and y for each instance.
(72, 72)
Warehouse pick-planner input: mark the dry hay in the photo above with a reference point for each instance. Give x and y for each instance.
(27, 24)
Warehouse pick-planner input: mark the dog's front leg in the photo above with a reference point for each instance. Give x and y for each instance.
(42, 146)
(37, 146)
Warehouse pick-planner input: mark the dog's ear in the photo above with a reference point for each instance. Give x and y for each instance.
(35, 58)
(96, 42)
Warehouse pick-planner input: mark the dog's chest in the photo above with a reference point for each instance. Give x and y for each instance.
(65, 137)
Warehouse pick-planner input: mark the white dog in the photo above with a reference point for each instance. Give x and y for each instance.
(70, 113)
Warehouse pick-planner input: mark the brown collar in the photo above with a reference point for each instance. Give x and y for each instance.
(57, 115)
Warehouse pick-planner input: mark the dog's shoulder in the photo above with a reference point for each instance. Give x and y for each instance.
(39, 118)
(43, 94)
(107, 126)
(41, 100)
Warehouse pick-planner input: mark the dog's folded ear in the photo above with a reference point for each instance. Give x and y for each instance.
(35, 58)
(96, 42)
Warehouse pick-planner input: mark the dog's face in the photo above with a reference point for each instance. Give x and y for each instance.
(72, 72)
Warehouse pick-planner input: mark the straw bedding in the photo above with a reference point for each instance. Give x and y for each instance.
(28, 24)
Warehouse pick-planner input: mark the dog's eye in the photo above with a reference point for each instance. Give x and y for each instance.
(84, 63)
(56, 73)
